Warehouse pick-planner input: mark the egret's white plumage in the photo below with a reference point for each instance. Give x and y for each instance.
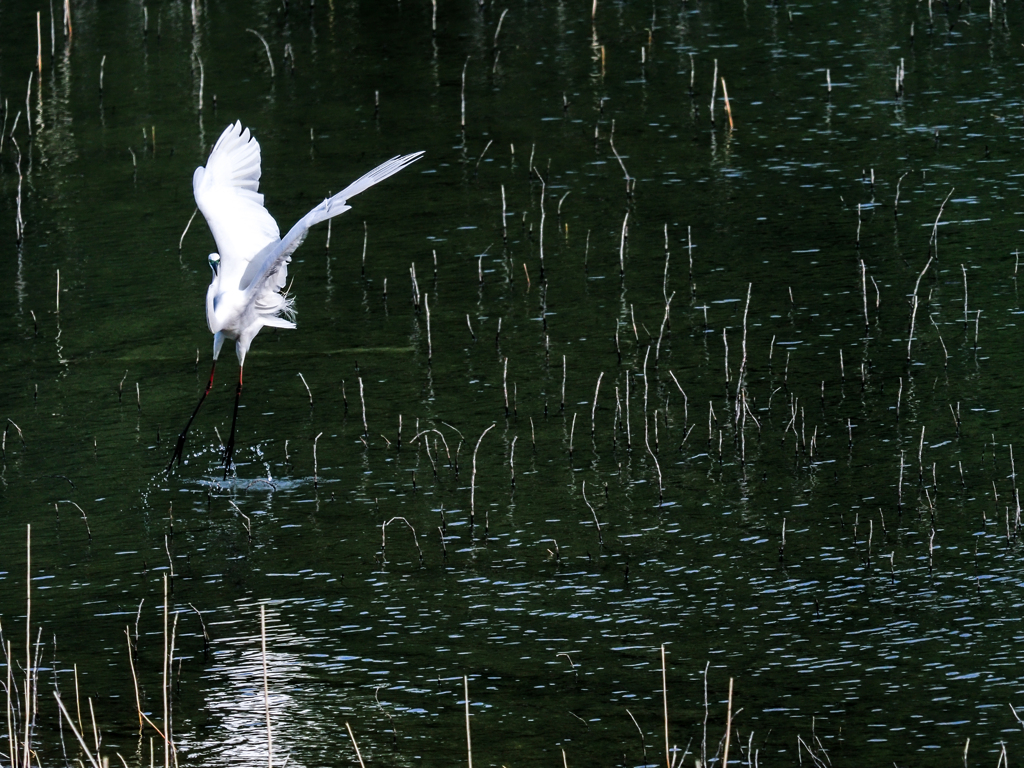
(251, 266)
(250, 269)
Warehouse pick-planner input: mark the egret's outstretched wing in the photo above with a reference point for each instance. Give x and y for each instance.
(276, 255)
(227, 192)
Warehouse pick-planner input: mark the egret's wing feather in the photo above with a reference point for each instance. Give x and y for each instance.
(227, 192)
(268, 267)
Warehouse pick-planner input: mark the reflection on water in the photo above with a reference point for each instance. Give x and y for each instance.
(748, 393)
(235, 713)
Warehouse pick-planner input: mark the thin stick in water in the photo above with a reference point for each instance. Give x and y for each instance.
(266, 685)
(362, 400)
(728, 109)
(728, 728)
(469, 743)
(472, 483)
(664, 702)
(352, 736)
(266, 47)
(597, 524)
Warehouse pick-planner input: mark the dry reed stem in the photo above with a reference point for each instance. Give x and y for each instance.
(664, 701)
(135, 679)
(714, 90)
(185, 231)
(643, 741)
(164, 691)
(597, 524)
(28, 646)
(78, 735)
(266, 47)
(266, 685)
(472, 483)
(307, 387)
(415, 538)
(469, 742)
(355, 746)
(728, 109)
(728, 728)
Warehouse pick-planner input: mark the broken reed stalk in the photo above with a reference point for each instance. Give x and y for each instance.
(728, 728)
(597, 524)
(366, 241)
(934, 242)
(543, 194)
(643, 741)
(704, 732)
(504, 384)
(964, 271)
(463, 121)
(572, 433)
(469, 742)
(728, 109)
(913, 317)
(352, 736)
(430, 347)
(472, 482)
(630, 183)
(664, 323)
(315, 480)
(896, 200)
(185, 231)
(664, 279)
(743, 340)
(164, 690)
(307, 388)
(362, 401)
(8, 689)
(714, 92)
(686, 400)
(512, 461)
(504, 223)
(647, 441)
(27, 742)
(78, 735)
(135, 679)
(622, 247)
(561, 407)
(593, 407)
(664, 702)
(921, 275)
(28, 105)
(266, 684)
(383, 535)
(415, 288)
(266, 47)
(864, 293)
(498, 28)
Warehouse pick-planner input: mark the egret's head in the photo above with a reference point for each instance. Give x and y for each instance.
(215, 262)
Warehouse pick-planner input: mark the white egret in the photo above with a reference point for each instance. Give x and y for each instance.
(251, 265)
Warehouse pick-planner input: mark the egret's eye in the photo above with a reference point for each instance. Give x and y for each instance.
(214, 261)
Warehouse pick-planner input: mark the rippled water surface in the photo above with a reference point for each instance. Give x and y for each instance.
(743, 385)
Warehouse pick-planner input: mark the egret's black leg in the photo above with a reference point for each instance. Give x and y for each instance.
(181, 438)
(230, 450)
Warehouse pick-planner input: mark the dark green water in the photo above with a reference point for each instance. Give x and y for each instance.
(883, 628)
